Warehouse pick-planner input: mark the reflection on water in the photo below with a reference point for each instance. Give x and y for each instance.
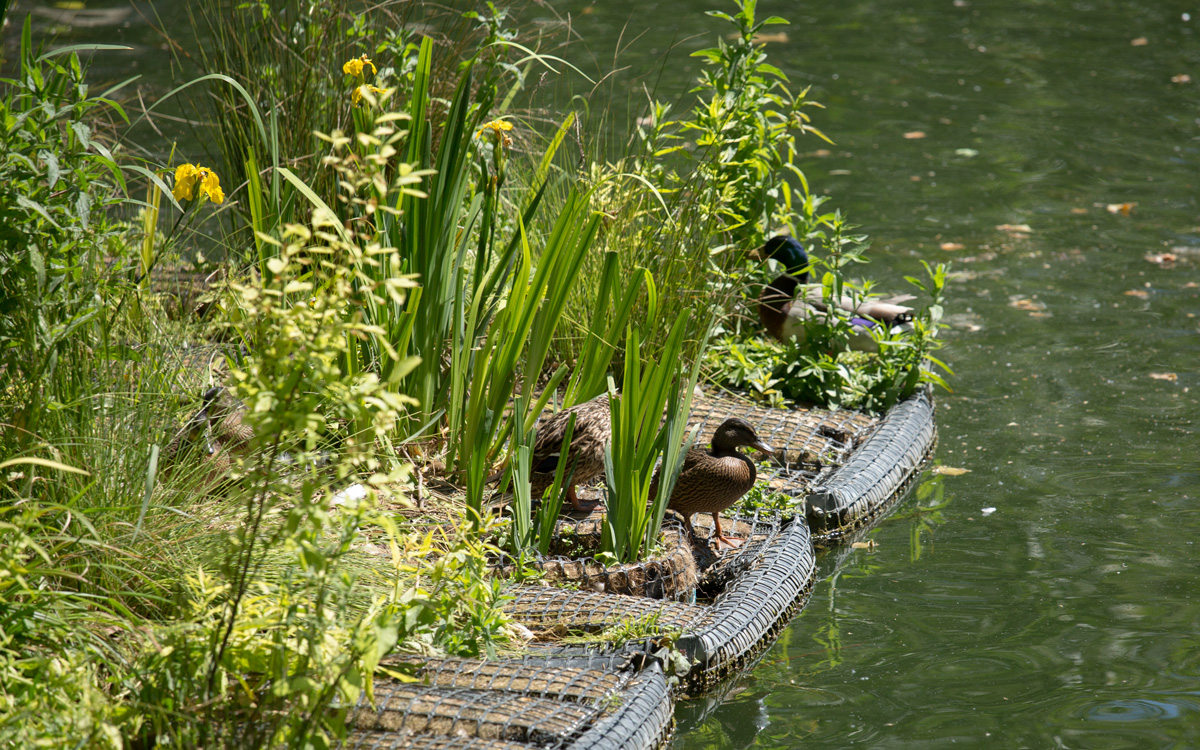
(1068, 616)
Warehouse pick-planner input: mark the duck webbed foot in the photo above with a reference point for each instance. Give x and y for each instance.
(720, 538)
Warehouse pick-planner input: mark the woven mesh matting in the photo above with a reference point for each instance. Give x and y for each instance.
(671, 574)
(581, 681)
(552, 612)
(505, 705)
(644, 717)
(758, 532)
(753, 609)
(811, 443)
(703, 570)
(769, 585)
(876, 474)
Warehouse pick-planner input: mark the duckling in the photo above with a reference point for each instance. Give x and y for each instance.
(712, 480)
(784, 316)
(593, 428)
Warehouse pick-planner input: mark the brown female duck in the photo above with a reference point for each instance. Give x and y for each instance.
(784, 315)
(216, 430)
(593, 428)
(712, 480)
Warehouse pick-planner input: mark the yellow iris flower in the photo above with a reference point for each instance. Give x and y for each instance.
(355, 66)
(496, 126)
(356, 95)
(189, 176)
(499, 129)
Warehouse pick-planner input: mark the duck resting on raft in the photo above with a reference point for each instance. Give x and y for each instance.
(783, 315)
(585, 454)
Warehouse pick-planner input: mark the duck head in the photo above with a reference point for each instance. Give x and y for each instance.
(735, 433)
(790, 253)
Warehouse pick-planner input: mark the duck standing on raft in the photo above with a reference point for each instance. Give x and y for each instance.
(585, 454)
(712, 480)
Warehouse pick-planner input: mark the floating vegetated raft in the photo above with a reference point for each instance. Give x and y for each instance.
(575, 702)
(844, 469)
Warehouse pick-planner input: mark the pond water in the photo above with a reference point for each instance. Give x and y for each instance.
(1049, 598)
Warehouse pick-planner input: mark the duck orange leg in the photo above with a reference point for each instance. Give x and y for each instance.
(578, 503)
(731, 541)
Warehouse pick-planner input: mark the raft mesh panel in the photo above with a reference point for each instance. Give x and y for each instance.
(746, 618)
(876, 474)
(771, 578)
(811, 444)
(644, 718)
(538, 678)
(759, 531)
(574, 709)
(363, 740)
(671, 575)
(540, 608)
(490, 715)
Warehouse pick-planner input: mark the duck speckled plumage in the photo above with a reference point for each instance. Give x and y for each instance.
(783, 315)
(593, 428)
(712, 480)
(216, 431)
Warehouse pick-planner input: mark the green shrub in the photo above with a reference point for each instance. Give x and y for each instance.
(56, 281)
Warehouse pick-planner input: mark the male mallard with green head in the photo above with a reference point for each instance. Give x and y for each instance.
(712, 480)
(784, 316)
(585, 454)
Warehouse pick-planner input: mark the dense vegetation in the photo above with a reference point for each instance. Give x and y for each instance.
(409, 266)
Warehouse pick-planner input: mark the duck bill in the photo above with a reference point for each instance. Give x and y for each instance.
(760, 445)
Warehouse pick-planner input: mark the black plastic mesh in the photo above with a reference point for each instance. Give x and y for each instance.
(644, 718)
(555, 611)
(811, 443)
(489, 715)
(514, 704)
(759, 532)
(688, 565)
(753, 609)
(365, 740)
(767, 581)
(562, 681)
(671, 574)
(876, 474)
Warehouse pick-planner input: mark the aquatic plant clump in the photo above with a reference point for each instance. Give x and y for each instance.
(402, 295)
